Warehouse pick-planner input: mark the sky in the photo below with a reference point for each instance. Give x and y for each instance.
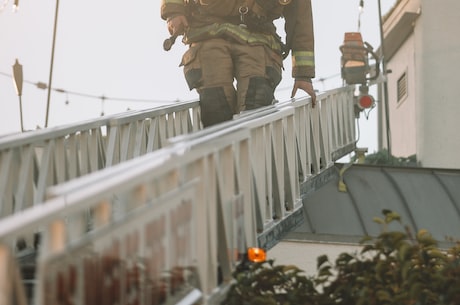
(109, 58)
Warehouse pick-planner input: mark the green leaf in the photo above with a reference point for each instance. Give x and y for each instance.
(325, 271)
(404, 251)
(344, 258)
(391, 216)
(436, 253)
(383, 295)
(289, 268)
(415, 291)
(405, 269)
(321, 260)
(386, 212)
(365, 239)
(367, 248)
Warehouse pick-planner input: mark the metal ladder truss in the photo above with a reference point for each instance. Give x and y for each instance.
(30, 162)
(169, 226)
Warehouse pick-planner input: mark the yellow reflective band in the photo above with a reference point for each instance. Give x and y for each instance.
(303, 58)
(304, 53)
(174, 1)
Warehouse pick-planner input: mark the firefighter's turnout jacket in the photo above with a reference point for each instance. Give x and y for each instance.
(237, 39)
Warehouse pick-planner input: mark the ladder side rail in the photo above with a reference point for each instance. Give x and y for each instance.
(150, 179)
(38, 136)
(73, 150)
(268, 153)
(307, 155)
(345, 131)
(350, 113)
(11, 288)
(335, 127)
(53, 219)
(326, 153)
(85, 162)
(334, 140)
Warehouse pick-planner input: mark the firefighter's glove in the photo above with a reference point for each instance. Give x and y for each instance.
(177, 25)
(306, 86)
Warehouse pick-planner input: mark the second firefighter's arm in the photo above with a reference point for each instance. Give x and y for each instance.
(299, 28)
(174, 12)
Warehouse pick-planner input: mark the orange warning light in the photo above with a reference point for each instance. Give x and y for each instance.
(257, 255)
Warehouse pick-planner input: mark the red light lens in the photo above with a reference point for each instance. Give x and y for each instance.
(366, 101)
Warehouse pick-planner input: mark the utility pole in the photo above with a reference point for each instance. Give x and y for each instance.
(18, 78)
(385, 82)
(52, 63)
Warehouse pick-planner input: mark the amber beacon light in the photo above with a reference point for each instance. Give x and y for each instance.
(257, 255)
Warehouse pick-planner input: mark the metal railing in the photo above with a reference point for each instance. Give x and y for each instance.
(187, 208)
(30, 162)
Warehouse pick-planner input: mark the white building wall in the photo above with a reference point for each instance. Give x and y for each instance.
(427, 121)
(402, 118)
(438, 58)
(304, 254)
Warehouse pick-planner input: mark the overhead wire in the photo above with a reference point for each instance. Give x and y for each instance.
(316, 80)
(43, 86)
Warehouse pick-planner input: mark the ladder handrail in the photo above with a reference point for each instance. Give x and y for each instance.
(32, 161)
(242, 176)
(41, 135)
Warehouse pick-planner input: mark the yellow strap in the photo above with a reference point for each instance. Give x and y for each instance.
(228, 29)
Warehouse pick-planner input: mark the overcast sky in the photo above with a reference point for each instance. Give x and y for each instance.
(114, 49)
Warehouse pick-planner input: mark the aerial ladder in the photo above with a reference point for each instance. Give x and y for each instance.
(149, 208)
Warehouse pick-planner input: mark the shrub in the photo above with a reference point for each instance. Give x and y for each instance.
(383, 158)
(395, 268)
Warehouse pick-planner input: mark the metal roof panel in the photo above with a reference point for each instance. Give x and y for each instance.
(425, 198)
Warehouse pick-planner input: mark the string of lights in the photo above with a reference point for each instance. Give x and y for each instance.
(44, 86)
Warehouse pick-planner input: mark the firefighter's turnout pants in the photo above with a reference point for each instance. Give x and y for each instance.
(213, 66)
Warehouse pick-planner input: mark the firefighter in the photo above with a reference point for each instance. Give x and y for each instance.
(236, 40)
